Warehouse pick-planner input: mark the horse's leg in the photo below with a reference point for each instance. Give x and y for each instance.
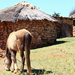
(22, 59)
(27, 49)
(20, 47)
(7, 59)
(14, 62)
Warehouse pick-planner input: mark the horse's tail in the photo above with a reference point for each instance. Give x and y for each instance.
(28, 39)
(7, 53)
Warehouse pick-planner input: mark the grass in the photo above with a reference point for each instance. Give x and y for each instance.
(57, 59)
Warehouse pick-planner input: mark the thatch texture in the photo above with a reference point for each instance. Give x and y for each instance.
(72, 16)
(24, 11)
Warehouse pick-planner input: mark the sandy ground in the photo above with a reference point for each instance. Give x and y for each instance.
(2, 52)
(1, 65)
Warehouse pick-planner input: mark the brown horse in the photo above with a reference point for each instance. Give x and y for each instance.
(18, 41)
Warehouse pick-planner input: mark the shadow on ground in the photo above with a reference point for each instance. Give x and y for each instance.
(39, 72)
(46, 45)
(59, 42)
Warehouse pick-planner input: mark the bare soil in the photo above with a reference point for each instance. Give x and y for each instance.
(2, 55)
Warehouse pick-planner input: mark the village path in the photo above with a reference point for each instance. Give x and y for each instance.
(1, 64)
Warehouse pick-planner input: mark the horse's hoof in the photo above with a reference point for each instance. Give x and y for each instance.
(12, 70)
(21, 70)
(16, 70)
(7, 69)
(28, 72)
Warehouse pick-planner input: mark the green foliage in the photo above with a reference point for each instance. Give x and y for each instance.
(56, 14)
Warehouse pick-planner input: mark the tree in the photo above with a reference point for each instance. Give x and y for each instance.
(56, 14)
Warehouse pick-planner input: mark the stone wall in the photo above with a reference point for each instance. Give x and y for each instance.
(65, 27)
(74, 31)
(66, 20)
(44, 32)
(74, 27)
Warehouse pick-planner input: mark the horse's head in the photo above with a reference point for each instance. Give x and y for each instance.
(7, 63)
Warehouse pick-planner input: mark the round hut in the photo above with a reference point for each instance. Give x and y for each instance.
(24, 15)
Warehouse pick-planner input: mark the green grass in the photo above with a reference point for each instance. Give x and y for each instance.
(57, 59)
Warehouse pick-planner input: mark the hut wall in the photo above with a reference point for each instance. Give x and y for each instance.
(65, 27)
(44, 32)
(74, 27)
(74, 31)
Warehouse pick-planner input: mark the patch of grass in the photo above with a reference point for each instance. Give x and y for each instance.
(57, 59)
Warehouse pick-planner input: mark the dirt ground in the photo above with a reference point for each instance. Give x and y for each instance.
(1, 65)
(2, 55)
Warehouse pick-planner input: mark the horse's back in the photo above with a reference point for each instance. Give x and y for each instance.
(21, 33)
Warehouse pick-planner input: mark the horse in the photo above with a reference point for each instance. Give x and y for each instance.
(18, 41)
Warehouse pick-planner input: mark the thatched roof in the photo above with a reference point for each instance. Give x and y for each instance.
(72, 16)
(24, 11)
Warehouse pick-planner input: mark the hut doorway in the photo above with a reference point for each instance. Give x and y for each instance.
(74, 22)
(66, 30)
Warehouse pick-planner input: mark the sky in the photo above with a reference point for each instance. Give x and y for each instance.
(64, 7)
